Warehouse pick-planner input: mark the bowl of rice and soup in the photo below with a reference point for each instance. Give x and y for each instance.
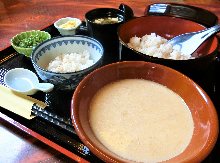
(106, 95)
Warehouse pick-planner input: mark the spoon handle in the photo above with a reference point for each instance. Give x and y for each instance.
(45, 87)
(205, 34)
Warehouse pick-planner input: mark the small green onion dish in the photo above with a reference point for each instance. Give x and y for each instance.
(24, 42)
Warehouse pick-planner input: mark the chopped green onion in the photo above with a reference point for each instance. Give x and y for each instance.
(31, 41)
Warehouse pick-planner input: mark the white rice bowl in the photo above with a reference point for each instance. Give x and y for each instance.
(156, 46)
(71, 69)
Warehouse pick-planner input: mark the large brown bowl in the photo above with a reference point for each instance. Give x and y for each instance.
(202, 109)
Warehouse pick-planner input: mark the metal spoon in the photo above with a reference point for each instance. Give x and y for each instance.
(25, 81)
(188, 43)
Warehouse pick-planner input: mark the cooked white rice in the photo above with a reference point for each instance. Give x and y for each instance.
(70, 62)
(156, 46)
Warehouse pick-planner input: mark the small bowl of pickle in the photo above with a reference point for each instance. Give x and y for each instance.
(67, 26)
(25, 42)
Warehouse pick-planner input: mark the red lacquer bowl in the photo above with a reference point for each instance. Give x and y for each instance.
(167, 27)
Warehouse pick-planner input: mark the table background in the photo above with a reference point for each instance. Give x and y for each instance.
(22, 15)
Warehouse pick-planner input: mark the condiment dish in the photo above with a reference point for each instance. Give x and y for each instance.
(25, 42)
(68, 25)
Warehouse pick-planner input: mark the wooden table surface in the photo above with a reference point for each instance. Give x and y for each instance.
(22, 15)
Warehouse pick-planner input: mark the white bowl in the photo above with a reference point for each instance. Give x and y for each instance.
(67, 31)
(56, 46)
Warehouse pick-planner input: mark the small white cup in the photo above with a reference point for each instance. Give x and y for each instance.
(67, 31)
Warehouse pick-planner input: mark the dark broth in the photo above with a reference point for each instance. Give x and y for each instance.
(107, 20)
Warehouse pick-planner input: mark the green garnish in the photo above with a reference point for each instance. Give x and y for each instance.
(31, 41)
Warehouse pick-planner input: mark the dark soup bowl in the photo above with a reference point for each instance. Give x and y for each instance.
(102, 24)
(125, 106)
(168, 27)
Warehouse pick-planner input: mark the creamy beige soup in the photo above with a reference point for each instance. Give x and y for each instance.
(141, 120)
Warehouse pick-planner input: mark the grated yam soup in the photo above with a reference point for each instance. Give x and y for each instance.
(141, 120)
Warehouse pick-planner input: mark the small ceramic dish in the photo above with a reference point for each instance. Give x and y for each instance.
(25, 81)
(24, 42)
(67, 26)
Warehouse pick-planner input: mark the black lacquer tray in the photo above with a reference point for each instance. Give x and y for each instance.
(55, 123)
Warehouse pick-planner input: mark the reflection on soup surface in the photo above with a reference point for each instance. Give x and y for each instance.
(141, 120)
(107, 20)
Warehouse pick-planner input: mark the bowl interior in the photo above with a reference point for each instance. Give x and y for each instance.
(202, 109)
(167, 27)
